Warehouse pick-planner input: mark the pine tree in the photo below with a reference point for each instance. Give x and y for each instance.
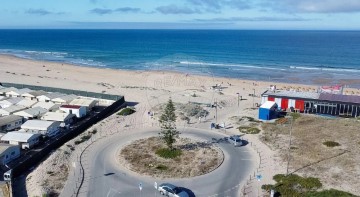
(168, 125)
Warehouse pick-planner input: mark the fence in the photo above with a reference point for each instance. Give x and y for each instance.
(65, 91)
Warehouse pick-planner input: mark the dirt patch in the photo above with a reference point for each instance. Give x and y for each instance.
(336, 166)
(197, 158)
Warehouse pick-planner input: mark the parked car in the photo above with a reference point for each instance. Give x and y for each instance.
(236, 140)
(171, 190)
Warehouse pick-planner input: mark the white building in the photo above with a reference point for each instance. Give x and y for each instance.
(27, 103)
(66, 99)
(49, 106)
(17, 92)
(11, 110)
(65, 119)
(10, 101)
(8, 123)
(43, 127)
(31, 113)
(32, 95)
(86, 102)
(8, 153)
(48, 97)
(79, 111)
(25, 140)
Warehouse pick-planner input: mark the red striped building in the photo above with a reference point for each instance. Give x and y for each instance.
(316, 103)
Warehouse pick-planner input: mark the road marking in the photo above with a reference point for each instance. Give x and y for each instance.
(112, 190)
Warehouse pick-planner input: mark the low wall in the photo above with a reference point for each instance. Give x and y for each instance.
(64, 91)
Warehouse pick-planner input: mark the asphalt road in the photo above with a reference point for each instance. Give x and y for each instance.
(105, 177)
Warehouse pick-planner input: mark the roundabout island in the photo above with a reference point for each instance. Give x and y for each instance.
(108, 173)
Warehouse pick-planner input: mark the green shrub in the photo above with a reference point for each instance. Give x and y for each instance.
(297, 186)
(85, 137)
(250, 119)
(331, 144)
(249, 130)
(161, 167)
(168, 153)
(329, 193)
(82, 139)
(126, 111)
(295, 115)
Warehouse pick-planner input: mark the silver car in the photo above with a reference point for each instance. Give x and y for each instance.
(236, 140)
(171, 190)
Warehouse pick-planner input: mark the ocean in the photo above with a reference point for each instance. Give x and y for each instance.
(308, 57)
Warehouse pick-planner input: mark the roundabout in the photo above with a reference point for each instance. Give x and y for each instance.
(106, 176)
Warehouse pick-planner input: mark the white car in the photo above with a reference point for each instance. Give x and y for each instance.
(236, 140)
(171, 190)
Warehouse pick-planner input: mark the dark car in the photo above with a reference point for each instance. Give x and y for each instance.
(171, 190)
(236, 140)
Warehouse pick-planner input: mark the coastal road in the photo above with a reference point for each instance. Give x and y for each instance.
(105, 177)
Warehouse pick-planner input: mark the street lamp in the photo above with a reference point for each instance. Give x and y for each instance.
(238, 94)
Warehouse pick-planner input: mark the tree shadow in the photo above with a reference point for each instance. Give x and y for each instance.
(109, 174)
(131, 104)
(196, 145)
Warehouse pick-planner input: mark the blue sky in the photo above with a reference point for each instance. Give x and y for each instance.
(181, 14)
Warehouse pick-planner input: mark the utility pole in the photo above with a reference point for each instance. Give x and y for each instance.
(215, 111)
(254, 98)
(289, 148)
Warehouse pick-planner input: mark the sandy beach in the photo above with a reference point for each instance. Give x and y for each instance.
(150, 88)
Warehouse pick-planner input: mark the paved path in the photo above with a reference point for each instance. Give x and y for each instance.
(104, 177)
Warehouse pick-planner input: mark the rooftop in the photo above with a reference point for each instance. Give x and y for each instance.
(292, 94)
(27, 103)
(65, 98)
(32, 111)
(268, 105)
(340, 98)
(82, 101)
(4, 90)
(71, 106)
(13, 108)
(7, 119)
(18, 136)
(53, 95)
(35, 93)
(46, 105)
(20, 91)
(12, 100)
(56, 116)
(37, 124)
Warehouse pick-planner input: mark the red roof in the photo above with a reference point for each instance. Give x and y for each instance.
(71, 106)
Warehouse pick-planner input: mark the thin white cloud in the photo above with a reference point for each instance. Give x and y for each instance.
(41, 12)
(314, 6)
(103, 11)
(174, 9)
(218, 5)
(264, 18)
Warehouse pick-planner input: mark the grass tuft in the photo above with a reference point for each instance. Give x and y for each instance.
(126, 111)
(168, 153)
(331, 144)
(249, 130)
